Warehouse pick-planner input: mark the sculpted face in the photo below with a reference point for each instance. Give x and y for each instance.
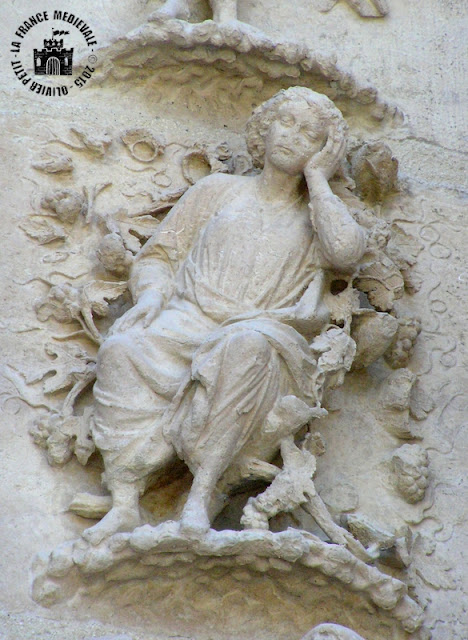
(331, 632)
(323, 634)
(296, 135)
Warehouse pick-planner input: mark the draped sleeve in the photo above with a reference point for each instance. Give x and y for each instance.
(156, 265)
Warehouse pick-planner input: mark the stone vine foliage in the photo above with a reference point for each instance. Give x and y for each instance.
(93, 248)
(364, 8)
(87, 247)
(103, 242)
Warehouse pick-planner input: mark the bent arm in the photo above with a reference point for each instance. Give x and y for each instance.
(152, 273)
(342, 240)
(156, 265)
(308, 316)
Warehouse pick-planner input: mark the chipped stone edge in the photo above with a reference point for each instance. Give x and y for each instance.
(212, 42)
(58, 574)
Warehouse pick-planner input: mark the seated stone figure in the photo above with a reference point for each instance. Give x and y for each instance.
(223, 10)
(228, 296)
(329, 631)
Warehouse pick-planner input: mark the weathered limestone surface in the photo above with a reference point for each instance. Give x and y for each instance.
(368, 506)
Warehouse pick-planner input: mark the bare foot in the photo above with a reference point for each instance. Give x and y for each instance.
(172, 9)
(118, 519)
(194, 522)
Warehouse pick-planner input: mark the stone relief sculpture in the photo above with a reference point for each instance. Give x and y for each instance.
(331, 632)
(219, 334)
(245, 315)
(365, 8)
(225, 11)
(238, 324)
(258, 278)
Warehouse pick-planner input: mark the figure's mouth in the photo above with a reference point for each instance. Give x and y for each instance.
(281, 147)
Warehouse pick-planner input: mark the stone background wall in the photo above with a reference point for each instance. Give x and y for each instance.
(416, 58)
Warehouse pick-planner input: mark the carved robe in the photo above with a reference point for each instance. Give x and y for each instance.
(211, 366)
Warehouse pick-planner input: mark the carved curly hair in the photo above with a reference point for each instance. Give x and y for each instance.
(263, 116)
(329, 631)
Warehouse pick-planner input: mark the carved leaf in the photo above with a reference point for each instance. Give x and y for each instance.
(94, 299)
(71, 363)
(53, 163)
(369, 8)
(365, 8)
(96, 295)
(382, 282)
(133, 230)
(97, 143)
(403, 248)
(40, 229)
(66, 303)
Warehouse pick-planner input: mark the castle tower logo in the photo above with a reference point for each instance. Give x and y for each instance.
(53, 66)
(54, 59)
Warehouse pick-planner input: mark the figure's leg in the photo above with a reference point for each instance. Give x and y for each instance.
(195, 518)
(127, 426)
(224, 10)
(174, 9)
(196, 513)
(227, 408)
(127, 484)
(124, 515)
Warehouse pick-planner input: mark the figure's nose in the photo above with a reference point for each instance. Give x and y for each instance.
(296, 133)
(297, 137)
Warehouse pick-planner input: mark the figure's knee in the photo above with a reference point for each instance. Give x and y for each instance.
(248, 345)
(114, 354)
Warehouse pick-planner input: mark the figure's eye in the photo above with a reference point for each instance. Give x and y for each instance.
(309, 133)
(286, 119)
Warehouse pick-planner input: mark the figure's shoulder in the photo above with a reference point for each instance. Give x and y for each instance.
(220, 182)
